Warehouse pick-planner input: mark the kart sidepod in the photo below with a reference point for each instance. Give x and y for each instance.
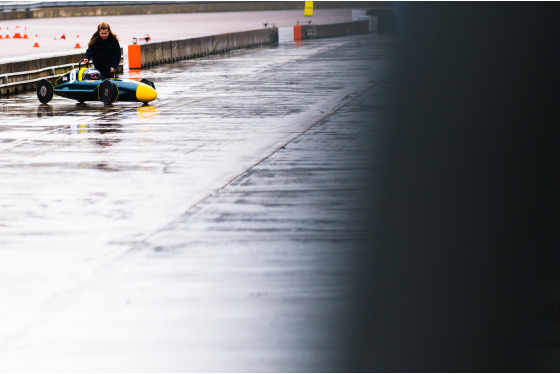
(77, 84)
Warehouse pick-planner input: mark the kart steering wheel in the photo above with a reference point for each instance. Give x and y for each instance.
(80, 64)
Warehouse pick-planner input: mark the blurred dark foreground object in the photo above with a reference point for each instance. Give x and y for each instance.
(466, 231)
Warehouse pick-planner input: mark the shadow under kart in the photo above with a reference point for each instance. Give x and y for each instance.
(85, 84)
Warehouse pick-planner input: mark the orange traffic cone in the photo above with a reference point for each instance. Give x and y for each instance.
(1, 37)
(77, 42)
(25, 34)
(17, 35)
(63, 36)
(36, 45)
(7, 33)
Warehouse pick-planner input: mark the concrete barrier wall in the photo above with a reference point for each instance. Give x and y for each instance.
(175, 50)
(22, 75)
(333, 30)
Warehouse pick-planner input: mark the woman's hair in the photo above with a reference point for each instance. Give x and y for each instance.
(102, 26)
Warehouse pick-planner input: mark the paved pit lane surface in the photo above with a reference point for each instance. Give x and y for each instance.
(213, 230)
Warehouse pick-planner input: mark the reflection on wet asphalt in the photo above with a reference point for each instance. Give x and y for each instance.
(84, 187)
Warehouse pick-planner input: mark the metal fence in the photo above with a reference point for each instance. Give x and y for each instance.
(8, 6)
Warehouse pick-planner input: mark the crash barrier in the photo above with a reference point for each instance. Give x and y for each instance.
(144, 55)
(23, 75)
(11, 10)
(304, 32)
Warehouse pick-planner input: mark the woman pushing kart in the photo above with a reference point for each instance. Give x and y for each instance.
(105, 51)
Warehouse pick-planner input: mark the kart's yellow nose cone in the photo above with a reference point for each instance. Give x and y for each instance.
(145, 93)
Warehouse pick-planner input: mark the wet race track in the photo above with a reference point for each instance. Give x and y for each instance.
(211, 230)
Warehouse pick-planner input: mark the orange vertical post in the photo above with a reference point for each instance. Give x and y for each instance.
(297, 32)
(134, 57)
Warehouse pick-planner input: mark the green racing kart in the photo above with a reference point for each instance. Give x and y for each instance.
(85, 84)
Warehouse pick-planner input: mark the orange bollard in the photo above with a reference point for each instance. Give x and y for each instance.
(134, 57)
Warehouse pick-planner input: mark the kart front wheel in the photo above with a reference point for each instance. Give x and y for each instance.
(148, 82)
(45, 91)
(106, 92)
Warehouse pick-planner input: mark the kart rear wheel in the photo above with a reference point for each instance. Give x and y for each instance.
(45, 91)
(148, 82)
(106, 92)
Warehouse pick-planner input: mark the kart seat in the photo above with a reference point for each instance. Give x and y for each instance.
(91, 74)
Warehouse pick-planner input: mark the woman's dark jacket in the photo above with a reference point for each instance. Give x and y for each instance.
(105, 54)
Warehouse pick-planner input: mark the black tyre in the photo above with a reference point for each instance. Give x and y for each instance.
(45, 91)
(106, 92)
(148, 82)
